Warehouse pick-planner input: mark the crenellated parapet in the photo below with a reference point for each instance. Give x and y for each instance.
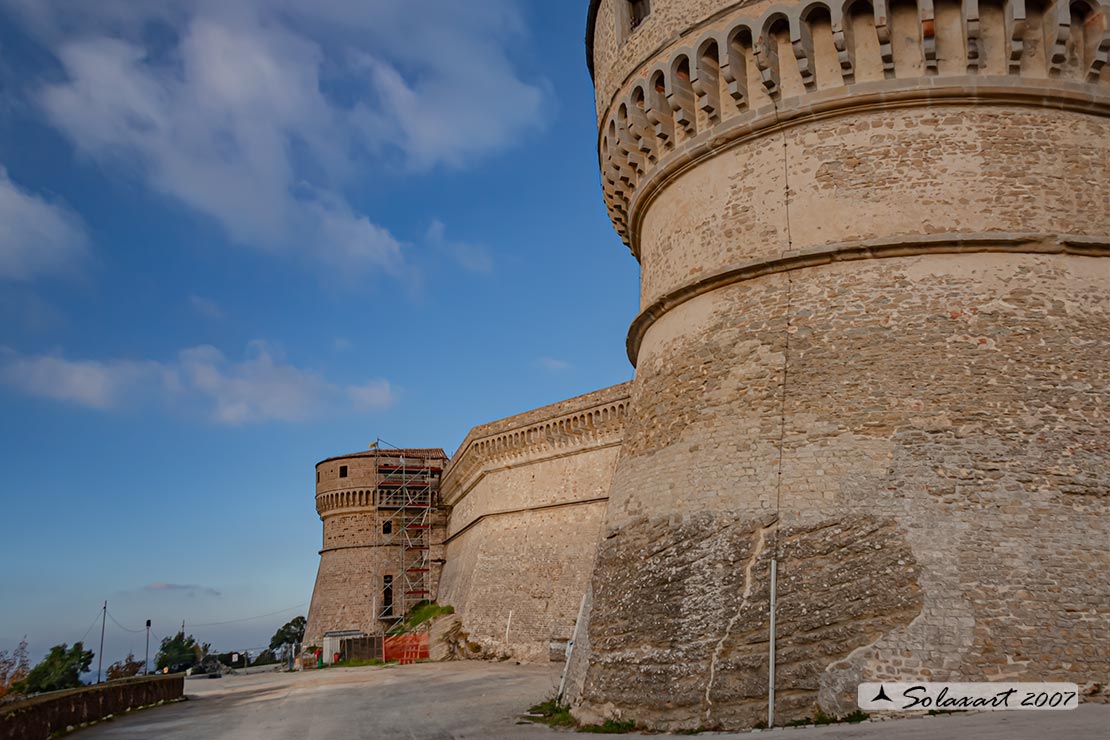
(751, 69)
(570, 426)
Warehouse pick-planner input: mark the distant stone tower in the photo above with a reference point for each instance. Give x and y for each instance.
(383, 540)
(872, 346)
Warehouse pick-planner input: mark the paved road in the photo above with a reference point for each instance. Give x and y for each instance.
(442, 701)
(428, 701)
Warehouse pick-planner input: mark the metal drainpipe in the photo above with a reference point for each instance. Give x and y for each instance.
(771, 662)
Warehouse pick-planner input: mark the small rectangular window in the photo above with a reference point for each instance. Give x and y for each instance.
(317, 476)
(387, 527)
(342, 471)
(387, 596)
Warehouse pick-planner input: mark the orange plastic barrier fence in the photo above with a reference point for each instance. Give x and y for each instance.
(407, 648)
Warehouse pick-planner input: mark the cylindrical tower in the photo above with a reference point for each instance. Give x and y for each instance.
(872, 348)
(383, 539)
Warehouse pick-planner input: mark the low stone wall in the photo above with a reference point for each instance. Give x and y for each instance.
(39, 717)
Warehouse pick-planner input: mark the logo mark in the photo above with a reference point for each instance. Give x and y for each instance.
(881, 696)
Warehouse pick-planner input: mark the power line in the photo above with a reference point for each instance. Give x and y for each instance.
(248, 619)
(93, 624)
(125, 629)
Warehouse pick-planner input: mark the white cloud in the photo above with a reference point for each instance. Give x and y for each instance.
(260, 113)
(553, 364)
(206, 307)
(91, 383)
(37, 237)
(260, 387)
(192, 589)
(374, 395)
(470, 257)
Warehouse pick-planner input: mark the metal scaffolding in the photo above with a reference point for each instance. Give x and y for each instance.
(407, 485)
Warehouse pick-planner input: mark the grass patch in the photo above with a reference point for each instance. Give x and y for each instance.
(610, 727)
(552, 714)
(418, 615)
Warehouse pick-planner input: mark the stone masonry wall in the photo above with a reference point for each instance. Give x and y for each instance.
(527, 497)
(940, 427)
(873, 346)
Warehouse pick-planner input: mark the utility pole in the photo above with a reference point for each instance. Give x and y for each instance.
(100, 655)
(146, 660)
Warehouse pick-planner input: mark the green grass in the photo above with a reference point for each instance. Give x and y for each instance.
(610, 727)
(552, 714)
(418, 615)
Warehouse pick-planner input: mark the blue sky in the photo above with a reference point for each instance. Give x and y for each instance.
(235, 241)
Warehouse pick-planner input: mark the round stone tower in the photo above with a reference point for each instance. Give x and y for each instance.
(873, 352)
(383, 540)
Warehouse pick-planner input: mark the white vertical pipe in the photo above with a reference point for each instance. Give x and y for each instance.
(771, 662)
(570, 648)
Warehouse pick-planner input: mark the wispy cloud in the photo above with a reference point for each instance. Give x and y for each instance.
(191, 589)
(259, 113)
(260, 387)
(37, 237)
(470, 257)
(206, 307)
(92, 383)
(341, 344)
(553, 364)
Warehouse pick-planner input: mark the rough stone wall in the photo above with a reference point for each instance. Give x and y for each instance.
(527, 497)
(873, 345)
(948, 411)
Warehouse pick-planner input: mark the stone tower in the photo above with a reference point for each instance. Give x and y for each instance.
(383, 540)
(873, 346)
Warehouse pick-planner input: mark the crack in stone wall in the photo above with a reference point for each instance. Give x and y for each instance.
(683, 641)
(760, 544)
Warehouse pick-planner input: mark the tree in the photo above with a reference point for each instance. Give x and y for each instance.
(126, 668)
(14, 667)
(179, 652)
(60, 669)
(290, 633)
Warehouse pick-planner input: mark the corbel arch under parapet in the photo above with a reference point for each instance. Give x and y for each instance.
(659, 112)
(1089, 43)
(739, 51)
(864, 43)
(817, 18)
(789, 62)
(627, 148)
(642, 130)
(680, 92)
(706, 79)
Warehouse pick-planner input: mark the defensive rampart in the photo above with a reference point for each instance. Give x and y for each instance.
(527, 497)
